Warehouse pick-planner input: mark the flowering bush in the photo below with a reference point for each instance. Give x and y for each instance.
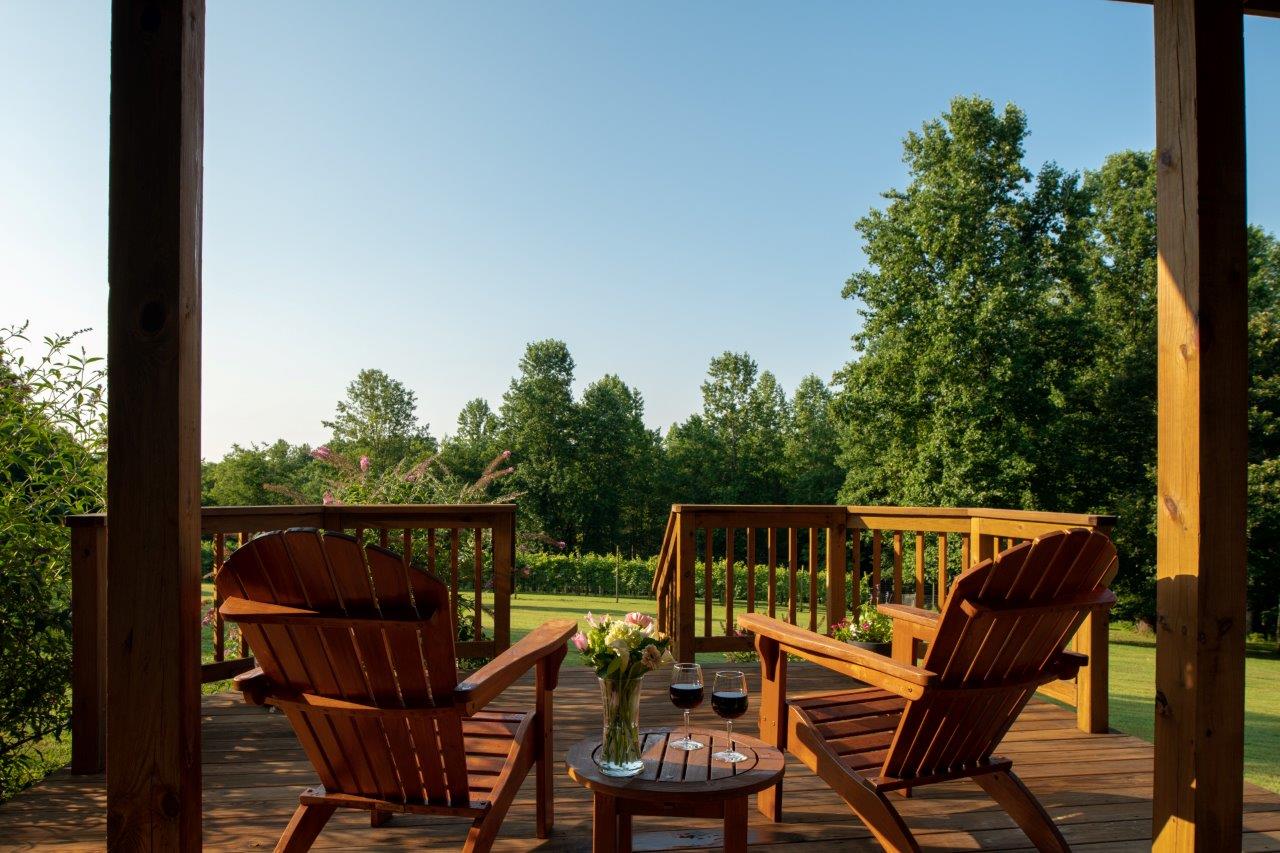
(622, 649)
(867, 626)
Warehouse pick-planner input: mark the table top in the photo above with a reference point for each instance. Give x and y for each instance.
(670, 772)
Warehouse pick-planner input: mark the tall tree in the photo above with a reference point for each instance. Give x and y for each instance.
(278, 473)
(811, 473)
(469, 451)
(540, 426)
(963, 368)
(618, 459)
(379, 419)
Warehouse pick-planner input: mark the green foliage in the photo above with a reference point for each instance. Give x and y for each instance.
(1007, 356)
(379, 419)
(469, 450)
(242, 476)
(52, 427)
(868, 625)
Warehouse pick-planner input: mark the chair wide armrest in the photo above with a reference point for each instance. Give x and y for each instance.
(546, 641)
(903, 679)
(916, 616)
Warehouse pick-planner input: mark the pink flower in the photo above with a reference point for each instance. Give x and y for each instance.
(524, 572)
(322, 453)
(364, 464)
(506, 454)
(580, 641)
(640, 620)
(329, 499)
(560, 544)
(507, 471)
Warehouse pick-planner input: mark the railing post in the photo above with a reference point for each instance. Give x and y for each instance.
(686, 592)
(504, 558)
(1092, 681)
(981, 547)
(88, 646)
(835, 574)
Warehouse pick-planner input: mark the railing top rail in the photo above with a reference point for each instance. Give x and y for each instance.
(331, 515)
(1065, 518)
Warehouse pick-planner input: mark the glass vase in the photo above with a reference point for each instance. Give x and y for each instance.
(620, 749)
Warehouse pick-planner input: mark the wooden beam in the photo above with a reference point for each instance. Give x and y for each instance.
(1261, 8)
(1202, 437)
(153, 470)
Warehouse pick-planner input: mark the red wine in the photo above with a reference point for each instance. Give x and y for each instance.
(686, 696)
(729, 705)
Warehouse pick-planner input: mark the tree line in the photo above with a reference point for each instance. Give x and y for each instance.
(1004, 355)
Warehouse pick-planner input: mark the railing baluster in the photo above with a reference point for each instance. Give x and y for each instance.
(793, 561)
(406, 547)
(453, 576)
(241, 539)
(772, 544)
(897, 567)
(479, 581)
(920, 591)
(708, 580)
(855, 572)
(384, 538)
(751, 570)
(966, 556)
(219, 629)
(813, 579)
(877, 545)
(942, 570)
(728, 581)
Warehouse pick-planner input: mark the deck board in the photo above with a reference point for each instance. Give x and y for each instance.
(1098, 788)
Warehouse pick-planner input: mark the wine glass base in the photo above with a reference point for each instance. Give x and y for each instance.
(687, 744)
(729, 756)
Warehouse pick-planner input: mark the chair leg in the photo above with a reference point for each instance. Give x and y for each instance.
(379, 818)
(304, 826)
(871, 806)
(544, 776)
(1007, 790)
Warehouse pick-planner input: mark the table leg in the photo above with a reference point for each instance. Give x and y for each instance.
(624, 833)
(735, 825)
(604, 824)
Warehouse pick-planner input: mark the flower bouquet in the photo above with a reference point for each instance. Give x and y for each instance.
(621, 651)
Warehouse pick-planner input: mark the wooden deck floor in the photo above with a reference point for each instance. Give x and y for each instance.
(1097, 787)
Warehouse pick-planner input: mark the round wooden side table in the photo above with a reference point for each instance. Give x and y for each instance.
(675, 783)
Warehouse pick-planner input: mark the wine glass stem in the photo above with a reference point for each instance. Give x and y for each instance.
(687, 728)
(728, 730)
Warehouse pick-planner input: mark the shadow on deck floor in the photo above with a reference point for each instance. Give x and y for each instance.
(1098, 787)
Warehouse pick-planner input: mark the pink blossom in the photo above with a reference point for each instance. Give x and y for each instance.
(640, 620)
(507, 471)
(580, 641)
(506, 454)
(329, 499)
(364, 464)
(322, 453)
(560, 544)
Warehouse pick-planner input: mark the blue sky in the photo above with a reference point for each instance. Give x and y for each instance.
(426, 187)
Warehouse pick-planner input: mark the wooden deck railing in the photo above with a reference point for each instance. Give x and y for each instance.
(470, 546)
(805, 564)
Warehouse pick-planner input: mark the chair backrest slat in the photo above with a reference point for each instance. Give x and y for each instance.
(410, 758)
(1003, 621)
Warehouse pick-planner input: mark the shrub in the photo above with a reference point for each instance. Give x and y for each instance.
(52, 431)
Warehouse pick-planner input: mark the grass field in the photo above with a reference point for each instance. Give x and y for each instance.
(1132, 673)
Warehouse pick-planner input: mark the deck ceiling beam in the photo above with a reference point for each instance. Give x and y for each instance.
(1202, 425)
(1261, 8)
(153, 465)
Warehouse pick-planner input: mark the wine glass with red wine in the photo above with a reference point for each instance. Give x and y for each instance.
(686, 694)
(729, 701)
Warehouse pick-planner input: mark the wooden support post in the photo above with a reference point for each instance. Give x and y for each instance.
(88, 646)
(686, 589)
(981, 546)
(153, 467)
(1202, 425)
